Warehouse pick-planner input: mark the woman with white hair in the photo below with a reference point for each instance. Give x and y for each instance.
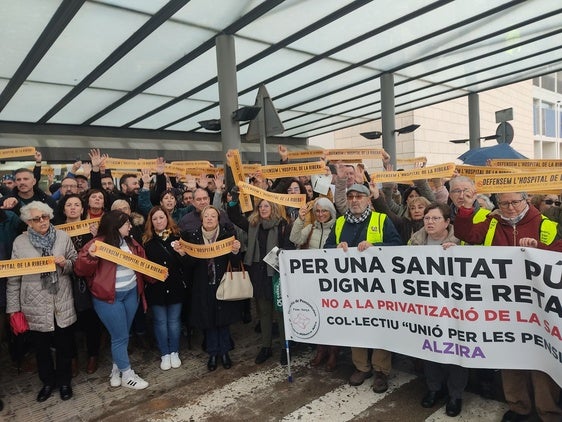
(313, 236)
(46, 298)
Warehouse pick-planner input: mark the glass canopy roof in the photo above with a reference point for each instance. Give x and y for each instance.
(151, 65)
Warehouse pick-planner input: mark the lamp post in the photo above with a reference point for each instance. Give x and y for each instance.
(376, 134)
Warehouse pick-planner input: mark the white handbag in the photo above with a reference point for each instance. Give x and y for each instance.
(235, 285)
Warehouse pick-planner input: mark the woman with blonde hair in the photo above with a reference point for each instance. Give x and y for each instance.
(266, 229)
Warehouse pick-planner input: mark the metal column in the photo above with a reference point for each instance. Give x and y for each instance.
(228, 92)
(387, 116)
(474, 120)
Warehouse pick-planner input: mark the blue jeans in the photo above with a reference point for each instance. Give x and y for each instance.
(117, 318)
(167, 327)
(218, 340)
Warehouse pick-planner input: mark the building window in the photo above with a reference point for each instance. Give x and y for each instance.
(559, 82)
(548, 82)
(536, 117)
(548, 119)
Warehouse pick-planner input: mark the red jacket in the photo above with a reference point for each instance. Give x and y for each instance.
(100, 273)
(529, 226)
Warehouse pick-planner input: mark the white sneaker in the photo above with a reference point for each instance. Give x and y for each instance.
(134, 381)
(165, 364)
(115, 378)
(175, 360)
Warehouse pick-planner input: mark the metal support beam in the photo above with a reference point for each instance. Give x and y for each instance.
(262, 130)
(387, 116)
(474, 120)
(228, 92)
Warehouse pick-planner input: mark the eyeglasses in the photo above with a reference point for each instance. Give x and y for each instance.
(358, 197)
(459, 191)
(321, 211)
(506, 204)
(69, 186)
(432, 219)
(551, 201)
(40, 218)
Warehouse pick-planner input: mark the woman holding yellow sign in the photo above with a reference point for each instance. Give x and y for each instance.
(165, 298)
(116, 290)
(46, 298)
(207, 313)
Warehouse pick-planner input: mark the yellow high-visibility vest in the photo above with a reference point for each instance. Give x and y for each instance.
(374, 230)
(547, 233)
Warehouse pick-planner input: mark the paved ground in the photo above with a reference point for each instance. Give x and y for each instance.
(247, 392)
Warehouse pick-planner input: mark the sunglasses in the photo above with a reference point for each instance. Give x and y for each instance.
(40, 218)
(550, 202)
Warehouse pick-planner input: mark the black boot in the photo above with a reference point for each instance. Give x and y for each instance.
(212, 363)
(263, 355)
(226, 362)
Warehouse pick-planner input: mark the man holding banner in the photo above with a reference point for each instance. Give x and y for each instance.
(517, 224)
(360, 227)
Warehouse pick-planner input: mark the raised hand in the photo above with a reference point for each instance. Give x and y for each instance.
(145, 176)
(160, 165)
(283, 152)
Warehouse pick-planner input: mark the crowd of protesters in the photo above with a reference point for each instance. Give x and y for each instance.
(150, 214)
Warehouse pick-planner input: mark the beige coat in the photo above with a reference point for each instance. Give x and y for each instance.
(420, 237)
(25, 293)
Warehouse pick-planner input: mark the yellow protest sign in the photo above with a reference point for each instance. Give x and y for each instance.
(16, 152)
(25, 266)
(293, 170)
(119, 163)
(129, 260)
(117, 174)
(353, 154)
(471, 171)
(442, 170)
(295, 155)
(238, 174)
(251, 168)
(47, 171)
(415, 160)
(297, 201)
(192, 164)
(79, 227)
(541, 165)
(212, 250)
(519, 182)
(196, 172)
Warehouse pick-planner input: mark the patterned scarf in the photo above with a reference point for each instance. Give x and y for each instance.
(45, 243)
(164, 234)
(208, 238)
(350, 218)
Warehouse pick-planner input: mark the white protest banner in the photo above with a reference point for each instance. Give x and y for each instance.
(470, 306)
